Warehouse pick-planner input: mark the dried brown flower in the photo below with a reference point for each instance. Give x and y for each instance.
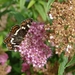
(3, 22)
(2, 70)
(49, 69)
(62, 31)
(1, 50)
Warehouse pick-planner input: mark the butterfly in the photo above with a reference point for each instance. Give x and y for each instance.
(17, 34)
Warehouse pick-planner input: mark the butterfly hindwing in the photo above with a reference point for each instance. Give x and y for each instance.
(10, 46)
(7, 40)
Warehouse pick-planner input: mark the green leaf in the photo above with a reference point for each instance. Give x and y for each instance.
(70, 69)
(47, 43)
(18, 16)
(41, 11)
(49, 5)
(17, 67)
(15, 54)
(72, 61)
(4, 1)
(23, 74)
(60, 1)
(44, 4)
(73, 73)
(62, 65)
(31, 3)
(35, 14)
(22, 3)
(1, 40)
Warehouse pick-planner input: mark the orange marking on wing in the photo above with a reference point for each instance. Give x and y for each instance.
(7, 40)
(10, 47)
(29, 20)
(14, 29)
(23, 23)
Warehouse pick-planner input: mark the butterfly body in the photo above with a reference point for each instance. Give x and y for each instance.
(17, 34)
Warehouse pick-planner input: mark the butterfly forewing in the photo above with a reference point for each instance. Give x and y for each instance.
(19, 37)
(17, 34)
(25, 22)
(14, 29)
(29, 21)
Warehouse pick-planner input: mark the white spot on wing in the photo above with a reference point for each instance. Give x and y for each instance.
(17, 31)
(23, 28)
(28, 25)
(12, 41)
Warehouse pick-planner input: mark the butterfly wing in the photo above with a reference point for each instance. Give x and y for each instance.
(10, 46)
(25, 22)
(14, 29)
(20, 36)
(7, 40)
(17, 34)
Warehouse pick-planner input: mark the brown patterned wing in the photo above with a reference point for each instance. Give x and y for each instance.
(7, 39)
(14, 29)
(17, 33)
(29, 20)
(8, 43)
(10, 46)
(25, 22)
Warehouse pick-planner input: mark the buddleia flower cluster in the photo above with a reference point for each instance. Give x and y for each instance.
(4, 67)
(33, 50)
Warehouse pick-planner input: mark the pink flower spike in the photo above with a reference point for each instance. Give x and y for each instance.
(32, 48)
(8, 69)
(25, 67)
(3, 58)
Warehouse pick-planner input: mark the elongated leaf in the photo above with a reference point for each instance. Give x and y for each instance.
(24, 74)
(18, 16)
(44, 4)
(41, 11)
(22, 2)
(62, 1)
(32, 2)
(15, 54)
(1, 40)
(35, 14)
(62, 65)
(49, 4)
(73, 73)
(72, 61)
(4, 1)
(17, 67)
